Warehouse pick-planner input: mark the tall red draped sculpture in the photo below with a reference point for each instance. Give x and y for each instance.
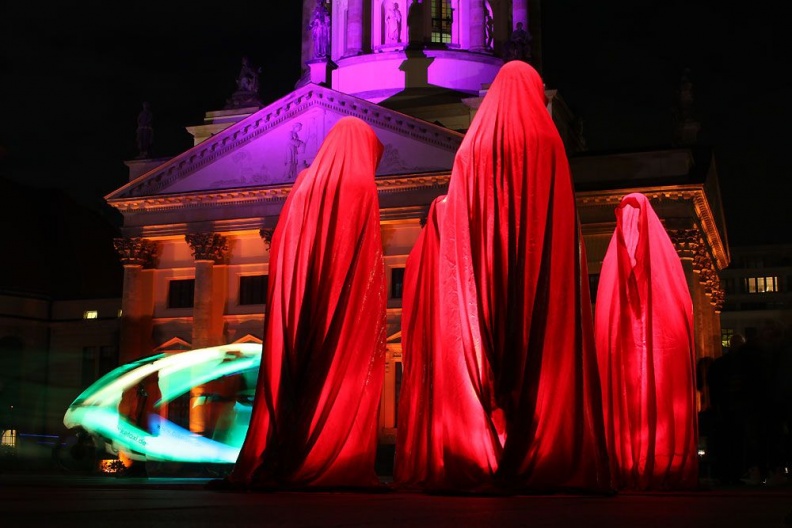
(644, 333)
(314, 418)
(500, 387)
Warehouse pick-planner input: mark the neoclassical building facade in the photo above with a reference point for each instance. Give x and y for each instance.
(197, 226)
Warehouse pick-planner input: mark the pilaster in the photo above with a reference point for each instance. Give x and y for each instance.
(354, 28)
(477, 27)
(208, 249)
(137, 298)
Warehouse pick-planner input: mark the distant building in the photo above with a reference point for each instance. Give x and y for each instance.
(60, 286)
(758, 290)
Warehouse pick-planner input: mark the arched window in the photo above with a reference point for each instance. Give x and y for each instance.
(441, 21)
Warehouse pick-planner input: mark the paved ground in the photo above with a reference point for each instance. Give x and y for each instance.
(106, 501)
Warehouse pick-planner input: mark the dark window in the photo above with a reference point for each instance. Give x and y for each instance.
(397, 283)
(98, 361)
(253, 289)
(181, 293)
(593, 286)
(397, 395)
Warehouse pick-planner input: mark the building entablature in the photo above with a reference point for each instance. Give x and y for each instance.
(680, 207)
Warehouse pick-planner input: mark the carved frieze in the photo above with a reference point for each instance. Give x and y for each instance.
(207, 246)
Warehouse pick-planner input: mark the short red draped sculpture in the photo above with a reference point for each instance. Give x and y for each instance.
(314, 418)
(644, 334)
(501, 388)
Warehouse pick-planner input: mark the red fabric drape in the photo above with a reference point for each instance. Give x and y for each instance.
(507, 393)
(314, 418)
(644, 333)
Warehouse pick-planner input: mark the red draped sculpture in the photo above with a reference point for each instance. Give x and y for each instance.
(314, 418)
(500, 387)
(644, 333)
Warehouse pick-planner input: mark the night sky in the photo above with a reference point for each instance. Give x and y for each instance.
(74, 75)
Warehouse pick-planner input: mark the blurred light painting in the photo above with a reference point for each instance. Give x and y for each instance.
(213, 387)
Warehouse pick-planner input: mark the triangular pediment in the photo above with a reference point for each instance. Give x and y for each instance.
(271, 146)
(173, 344)
(249, 338)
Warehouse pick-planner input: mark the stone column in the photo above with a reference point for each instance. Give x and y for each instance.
(354, 28)
(519, 13)
(136, 312)
(476, 28)
(208, 249)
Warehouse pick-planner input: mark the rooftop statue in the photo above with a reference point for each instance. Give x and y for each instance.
(320, 30)
(145, 131)
(247, 92)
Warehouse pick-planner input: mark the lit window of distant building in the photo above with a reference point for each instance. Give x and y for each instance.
(726, 335)
(90, 314)
(9, 438)
(761, 284)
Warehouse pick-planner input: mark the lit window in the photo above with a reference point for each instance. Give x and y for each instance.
(726, 335)
(441, 21)
(90, 314)
(761, 284)
(9, 438)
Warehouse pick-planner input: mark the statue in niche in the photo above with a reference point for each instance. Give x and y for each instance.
(489, 29)
(145, 131)
(296, 146)
(519, 45)
(320, 30)
(393, 24)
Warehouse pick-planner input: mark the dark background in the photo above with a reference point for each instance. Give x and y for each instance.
(74, 76)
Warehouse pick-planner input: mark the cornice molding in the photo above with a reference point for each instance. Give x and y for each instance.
(253, 196)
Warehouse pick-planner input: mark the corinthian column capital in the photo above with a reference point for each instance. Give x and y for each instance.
(207, 246)
(134, 251)
(686, 241)
(266, 235)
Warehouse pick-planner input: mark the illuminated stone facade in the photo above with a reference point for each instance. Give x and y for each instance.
(226, 192)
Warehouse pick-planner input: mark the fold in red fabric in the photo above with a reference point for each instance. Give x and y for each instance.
(644, 333)
(314, 418)
(501, 388)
